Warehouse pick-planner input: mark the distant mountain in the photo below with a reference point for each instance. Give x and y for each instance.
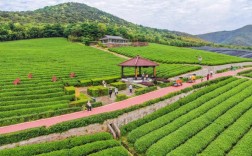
(82, 21)
(242, 36)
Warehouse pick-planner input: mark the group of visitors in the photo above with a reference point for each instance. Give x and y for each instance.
(209, 75)
(192, 78)
(145, 77)
(111, 91)
(178, 82)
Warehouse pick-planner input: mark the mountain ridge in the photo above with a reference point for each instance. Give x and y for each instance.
(241, 36)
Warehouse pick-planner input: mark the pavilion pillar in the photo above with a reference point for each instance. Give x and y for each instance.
(154, 71)
(140, 71)
(122, 72)
(136, 73)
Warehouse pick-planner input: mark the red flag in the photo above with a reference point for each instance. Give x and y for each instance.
(17, 81)
(30, 75)
(54, 79)
(72, 75)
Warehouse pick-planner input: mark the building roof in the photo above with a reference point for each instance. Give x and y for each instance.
(113, 37)
(138, 62)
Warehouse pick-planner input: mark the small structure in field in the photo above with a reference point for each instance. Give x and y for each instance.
(17, 81)
(114, 41)
(54, 78)
(72, 75)
(139, 44)
(30, 75)
(138, 63)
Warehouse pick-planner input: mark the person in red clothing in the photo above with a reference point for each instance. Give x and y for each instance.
(208, 76)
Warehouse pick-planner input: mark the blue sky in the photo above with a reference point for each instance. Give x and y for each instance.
(191, 16)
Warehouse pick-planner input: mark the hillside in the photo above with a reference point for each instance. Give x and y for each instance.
(171, 54)
(242, 36)
(62, 13)
(80, 22)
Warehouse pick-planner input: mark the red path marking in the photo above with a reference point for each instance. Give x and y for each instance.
(107, 108)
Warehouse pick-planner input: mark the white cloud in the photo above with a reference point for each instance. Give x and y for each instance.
(192, 16)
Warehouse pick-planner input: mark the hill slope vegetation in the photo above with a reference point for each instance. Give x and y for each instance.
(242, 36)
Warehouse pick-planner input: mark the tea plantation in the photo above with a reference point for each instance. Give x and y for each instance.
(39, 97)
(170, 54)
(215, 120)
(92, 145)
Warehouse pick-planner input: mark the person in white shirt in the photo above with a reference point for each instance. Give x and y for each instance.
(116, 91)
(130, 88)
(89, 106)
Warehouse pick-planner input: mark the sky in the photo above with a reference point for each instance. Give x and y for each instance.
(190, 16)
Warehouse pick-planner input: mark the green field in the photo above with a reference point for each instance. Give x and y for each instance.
(39, 97)
(171, 54)
(215, 120)
(92, 145)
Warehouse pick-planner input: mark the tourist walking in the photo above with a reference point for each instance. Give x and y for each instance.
(211, 73)
(116, 91)
(208, 76)
(110, 92)
(104, 83)
(193, 78)
(130, 88)
(89, 106)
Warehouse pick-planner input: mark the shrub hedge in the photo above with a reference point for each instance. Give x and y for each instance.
(97, 91)
(145, 90)
(70, 90)
(120, 97)
(119, 85)
(108, 80)
(115, 151)
(85, 83)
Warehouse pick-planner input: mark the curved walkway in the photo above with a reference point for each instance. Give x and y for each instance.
(107, 108)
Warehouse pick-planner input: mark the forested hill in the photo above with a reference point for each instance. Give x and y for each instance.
(79, 22)
(242, 36)
(62, 13)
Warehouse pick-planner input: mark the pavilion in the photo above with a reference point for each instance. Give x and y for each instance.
(138, 62)
(114, 41)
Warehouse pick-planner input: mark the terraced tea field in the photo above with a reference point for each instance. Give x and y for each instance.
(39, 97)
(215, 120)
(246, 73)
(92, 145)
(170, 54)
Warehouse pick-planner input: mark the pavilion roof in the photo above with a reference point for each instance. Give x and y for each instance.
(112, 37)
(138, 62)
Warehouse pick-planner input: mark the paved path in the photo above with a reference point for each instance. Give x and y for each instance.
(116, 54)
(107, 108)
